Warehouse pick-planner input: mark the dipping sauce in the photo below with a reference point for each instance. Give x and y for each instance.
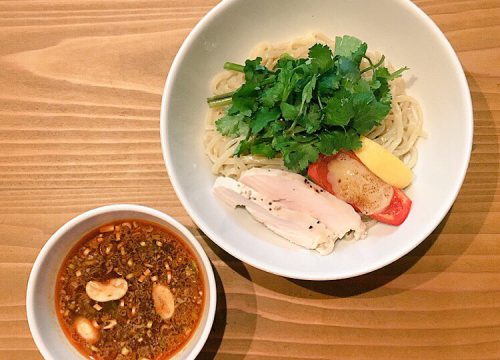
(129, 290)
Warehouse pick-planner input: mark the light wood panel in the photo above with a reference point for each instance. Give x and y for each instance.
(80, 91)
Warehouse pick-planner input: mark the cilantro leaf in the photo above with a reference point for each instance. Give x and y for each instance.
(361, 86)
(383, 92)
(368, 111)
(301, 76)
(232, 125)
(307, 93)
(284, 61)
(285, 77)
(297, 157)
(321, 57)
(263, 149)
(350, 48)
(243, 148)
(375, 84)
(333, 141)
(273, 129)
(245, 100)
(339, 109)
(254, 71)
(348, 69)
(272, 95)
(289, 111)
(346, 45)
(329, 82)
(281, 142)
(262, 118)
(358, 55)
(312, 119)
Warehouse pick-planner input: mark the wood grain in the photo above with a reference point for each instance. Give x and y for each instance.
(80, 91)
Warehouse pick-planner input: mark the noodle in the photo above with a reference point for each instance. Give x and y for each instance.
(398, 132)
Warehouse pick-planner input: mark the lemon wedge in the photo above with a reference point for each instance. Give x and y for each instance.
(384, 164)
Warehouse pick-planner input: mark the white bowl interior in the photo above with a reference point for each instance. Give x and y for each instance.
(399, 30)
(42, 317)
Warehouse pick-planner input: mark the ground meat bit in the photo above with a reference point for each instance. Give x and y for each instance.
(129, 328)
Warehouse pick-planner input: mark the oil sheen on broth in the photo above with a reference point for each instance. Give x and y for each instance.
(129, 290)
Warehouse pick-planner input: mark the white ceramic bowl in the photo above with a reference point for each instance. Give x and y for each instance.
(40, 300)
(397, 28)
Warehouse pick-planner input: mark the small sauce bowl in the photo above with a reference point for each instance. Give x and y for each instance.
(40, 299)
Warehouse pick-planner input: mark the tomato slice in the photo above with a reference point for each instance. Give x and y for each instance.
(318, 172)
(397, 210)
(394, 214)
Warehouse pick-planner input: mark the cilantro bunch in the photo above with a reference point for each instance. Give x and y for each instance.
(306, 107)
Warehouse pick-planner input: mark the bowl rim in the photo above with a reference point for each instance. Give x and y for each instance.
(31, 295)
(176, 183)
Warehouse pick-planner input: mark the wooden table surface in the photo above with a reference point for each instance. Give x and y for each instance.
(80, 91)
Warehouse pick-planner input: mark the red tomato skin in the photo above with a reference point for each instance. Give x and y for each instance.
(397, 211)
(318, 172)
(394, 214)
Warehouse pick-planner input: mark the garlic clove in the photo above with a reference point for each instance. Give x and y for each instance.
(163, 301)
(113, 289)
(86, 330)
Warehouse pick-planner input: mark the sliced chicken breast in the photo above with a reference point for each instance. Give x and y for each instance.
(296, 226)
(296, 193)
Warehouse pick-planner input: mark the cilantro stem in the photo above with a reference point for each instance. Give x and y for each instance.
(380, 62)
(267, 81)
(319, 101)
(373, 66)
(234, 67)
(220, 96)
(220, 100)
(220, 103)
(290, 130)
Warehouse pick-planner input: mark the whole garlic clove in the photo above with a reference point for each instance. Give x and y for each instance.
(86, 330)
(163, 301)
(113, 289)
